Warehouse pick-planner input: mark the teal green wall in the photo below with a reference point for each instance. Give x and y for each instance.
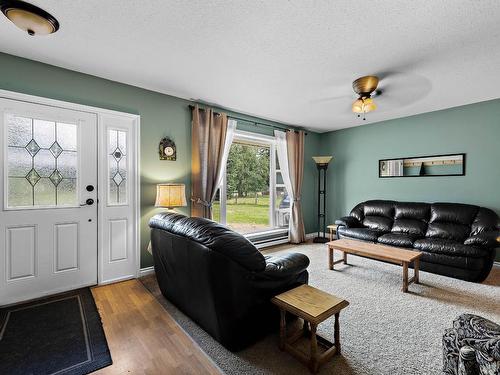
(473, 129)
(161, 115)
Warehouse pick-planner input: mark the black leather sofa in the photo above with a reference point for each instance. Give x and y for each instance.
(457, 240)
(219, 279)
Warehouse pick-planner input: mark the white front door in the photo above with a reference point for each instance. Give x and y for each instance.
(48, 197)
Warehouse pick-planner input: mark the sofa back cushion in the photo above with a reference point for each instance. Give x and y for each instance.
(451, 221)
(411, 218)
(214, 236)
(378, 215)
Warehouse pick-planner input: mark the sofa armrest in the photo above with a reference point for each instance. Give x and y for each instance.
(485, 239)
(286, 265)
(349, 222)
(479, 333)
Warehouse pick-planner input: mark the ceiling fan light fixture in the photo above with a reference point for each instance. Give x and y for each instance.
(357, 106)
(363, 105)
(364, 87)
(369, 105)
(29, 18)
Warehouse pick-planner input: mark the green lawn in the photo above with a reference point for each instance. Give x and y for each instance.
(246, 211)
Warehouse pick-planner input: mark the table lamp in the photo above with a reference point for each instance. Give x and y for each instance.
(170, 196)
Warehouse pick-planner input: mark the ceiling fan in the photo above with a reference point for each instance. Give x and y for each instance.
(366, 88)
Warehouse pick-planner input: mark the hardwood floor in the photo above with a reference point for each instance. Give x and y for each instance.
(143, 337)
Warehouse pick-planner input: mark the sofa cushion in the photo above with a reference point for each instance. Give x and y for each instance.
(379, 223)
(364, 234)
(463, 214)
(449, 247)
(410, 226)
(416, 211)
(379, 208)
(397, 239)
(450, 231)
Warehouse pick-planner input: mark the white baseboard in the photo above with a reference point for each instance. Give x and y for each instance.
(146, 271)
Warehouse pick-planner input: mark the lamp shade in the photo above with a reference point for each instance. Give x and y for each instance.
(322, 160)
(363, 105)
(170, 195)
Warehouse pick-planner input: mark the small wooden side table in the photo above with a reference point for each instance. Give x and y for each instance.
(332, 229)
(313, 306)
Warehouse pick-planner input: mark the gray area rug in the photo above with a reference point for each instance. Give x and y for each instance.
(383, 331)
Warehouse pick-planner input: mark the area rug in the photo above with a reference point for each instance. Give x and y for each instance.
(60, 335)
(382, 331)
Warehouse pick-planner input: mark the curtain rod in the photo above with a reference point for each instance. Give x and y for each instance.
(255, 123)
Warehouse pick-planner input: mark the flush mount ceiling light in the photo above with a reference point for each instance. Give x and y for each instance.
(28, 17)
(364, 87)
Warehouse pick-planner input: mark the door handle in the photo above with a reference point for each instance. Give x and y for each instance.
(88, 202)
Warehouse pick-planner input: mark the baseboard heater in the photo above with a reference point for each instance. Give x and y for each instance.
(270, 238)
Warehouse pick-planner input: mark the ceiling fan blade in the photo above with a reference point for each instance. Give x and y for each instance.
(402, 89)
(332, 99)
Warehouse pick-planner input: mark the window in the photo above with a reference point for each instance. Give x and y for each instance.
(41, 163)
(252, 197)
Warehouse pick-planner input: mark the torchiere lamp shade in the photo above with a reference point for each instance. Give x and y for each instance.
(170, 195)
(322, 160)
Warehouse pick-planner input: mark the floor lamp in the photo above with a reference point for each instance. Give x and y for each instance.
(322, 164)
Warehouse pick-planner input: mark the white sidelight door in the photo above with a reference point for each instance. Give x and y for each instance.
(48, 198)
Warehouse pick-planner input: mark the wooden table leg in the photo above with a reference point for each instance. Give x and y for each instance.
(313, 360)
(330, 257)
(331, 234)
(345, 257)
(282, 329)
(305, 328)
(337, 333)
(416, 266)
(405, 277)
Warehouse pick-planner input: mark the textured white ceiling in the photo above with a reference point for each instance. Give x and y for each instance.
(291, 61)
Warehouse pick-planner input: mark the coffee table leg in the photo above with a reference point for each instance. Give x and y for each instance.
(313, 360)
(416, 266)
(282, 329)
(337, 333)
(345, 257)
(330, 257)
(405, 277)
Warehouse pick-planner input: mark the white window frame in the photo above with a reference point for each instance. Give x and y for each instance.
(264, 140)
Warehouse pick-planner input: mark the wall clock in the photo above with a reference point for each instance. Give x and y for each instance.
(167, 150)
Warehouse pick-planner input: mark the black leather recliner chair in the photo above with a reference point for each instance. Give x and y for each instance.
(457, 240)
(219, 279)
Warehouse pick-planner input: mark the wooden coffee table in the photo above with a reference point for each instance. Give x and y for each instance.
(371, 250)
(313, 306)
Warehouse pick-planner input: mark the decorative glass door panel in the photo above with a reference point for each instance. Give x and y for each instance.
(41, 163)
(117, 167)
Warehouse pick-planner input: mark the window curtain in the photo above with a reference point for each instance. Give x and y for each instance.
(290, 150)
(211, 138)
